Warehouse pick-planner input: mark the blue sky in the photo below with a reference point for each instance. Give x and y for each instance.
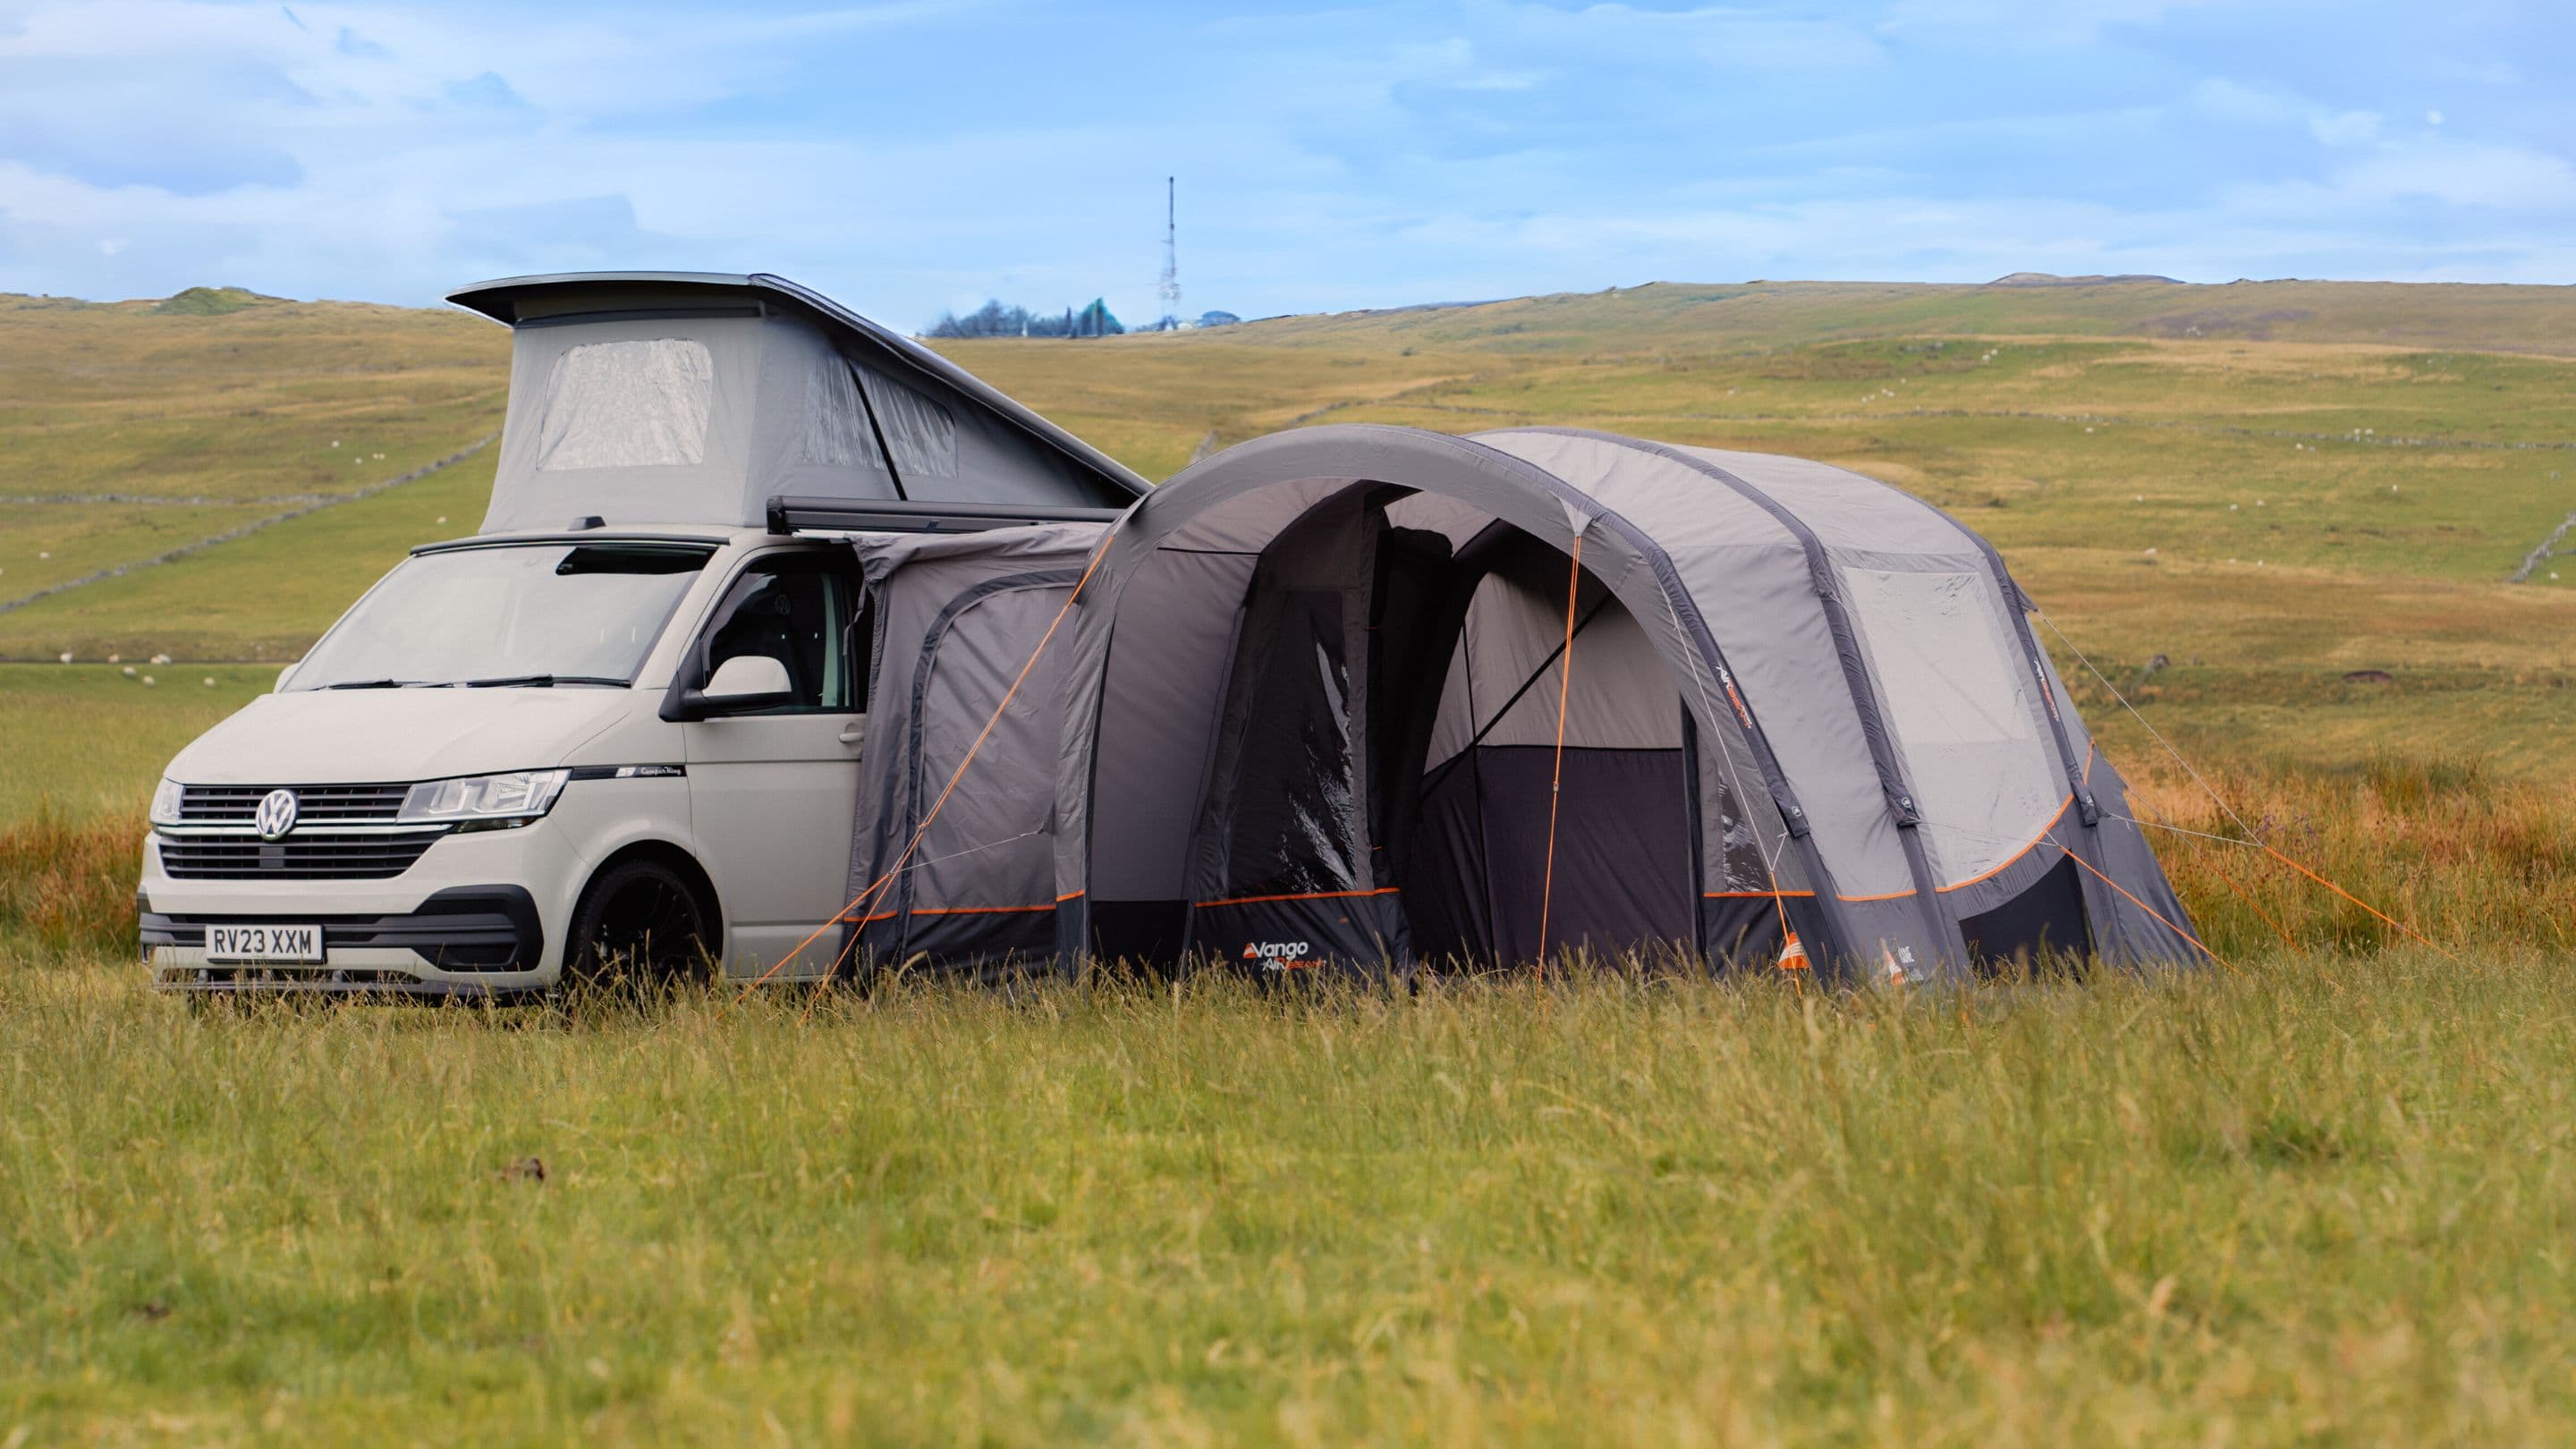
(916, 155)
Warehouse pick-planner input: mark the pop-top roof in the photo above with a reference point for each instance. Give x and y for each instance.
(697, 396)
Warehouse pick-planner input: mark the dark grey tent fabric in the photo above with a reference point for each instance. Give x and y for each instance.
(958, 618)
(696, 398)
(1311, 719)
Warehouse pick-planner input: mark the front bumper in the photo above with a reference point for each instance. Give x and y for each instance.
(479, 914)
(479, 941)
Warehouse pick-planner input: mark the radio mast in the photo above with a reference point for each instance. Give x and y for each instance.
(1169, 287)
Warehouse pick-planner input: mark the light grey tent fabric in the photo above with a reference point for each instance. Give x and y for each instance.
(698, 398)
(1801, 702)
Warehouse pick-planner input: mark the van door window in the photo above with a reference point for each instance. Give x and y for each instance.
(807, 612)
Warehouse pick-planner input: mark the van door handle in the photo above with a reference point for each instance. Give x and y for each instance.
(853, 734)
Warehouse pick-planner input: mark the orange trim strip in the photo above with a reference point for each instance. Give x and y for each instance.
(1751, 895)
(976, 910)
(879, 916)
(1305, 896)
(1890, 896)
(1071, 896)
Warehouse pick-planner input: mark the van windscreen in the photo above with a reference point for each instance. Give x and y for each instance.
(551, 613)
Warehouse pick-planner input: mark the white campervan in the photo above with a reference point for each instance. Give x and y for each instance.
(619, 727)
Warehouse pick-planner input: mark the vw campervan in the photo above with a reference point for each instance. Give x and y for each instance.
(620, 726)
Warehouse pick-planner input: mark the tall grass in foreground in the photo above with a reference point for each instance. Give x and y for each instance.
(68, 884)
(2475, 862)
(2323, 1201)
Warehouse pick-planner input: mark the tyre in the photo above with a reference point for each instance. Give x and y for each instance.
(639, 924)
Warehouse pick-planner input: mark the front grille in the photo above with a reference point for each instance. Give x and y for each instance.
(314, 804)
(317, 855)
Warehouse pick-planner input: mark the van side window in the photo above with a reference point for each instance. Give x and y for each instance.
(807, 612)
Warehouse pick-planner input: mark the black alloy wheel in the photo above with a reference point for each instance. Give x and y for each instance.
(639, 925)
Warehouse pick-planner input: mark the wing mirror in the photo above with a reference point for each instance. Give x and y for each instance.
(742, 684)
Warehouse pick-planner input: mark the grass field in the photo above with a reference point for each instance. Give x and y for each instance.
(2326, 1202)
(2317, 1192)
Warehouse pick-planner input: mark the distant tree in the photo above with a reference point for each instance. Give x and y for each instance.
(990, 320)
(994, 319)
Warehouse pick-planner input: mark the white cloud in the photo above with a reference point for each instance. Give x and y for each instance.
(2218, 98)
(2350, 128)
(1722, 37)
(2047, 22)
(1453, 63)
(2497, 178)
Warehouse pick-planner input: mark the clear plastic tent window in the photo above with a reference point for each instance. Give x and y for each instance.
(1965, 718)
(636, 404)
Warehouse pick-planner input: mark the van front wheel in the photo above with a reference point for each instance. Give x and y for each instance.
(639, 924)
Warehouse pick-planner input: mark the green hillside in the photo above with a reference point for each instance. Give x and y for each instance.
(127, 430)
(2269, 484)
(2495, 318)
(211, 302)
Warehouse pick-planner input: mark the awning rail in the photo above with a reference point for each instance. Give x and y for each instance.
(791, 514)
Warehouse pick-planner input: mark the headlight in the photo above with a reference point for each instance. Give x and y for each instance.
(165, 803)
(520, 794)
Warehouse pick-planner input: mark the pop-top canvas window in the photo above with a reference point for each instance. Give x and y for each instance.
(635, 404)
(1964, 712)
(921, 432)
(918, 429)
(836, 420)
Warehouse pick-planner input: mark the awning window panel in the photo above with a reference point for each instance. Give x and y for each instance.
(1964, 713)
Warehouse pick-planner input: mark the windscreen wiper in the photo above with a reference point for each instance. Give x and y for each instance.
(540, 681)
(372, 684)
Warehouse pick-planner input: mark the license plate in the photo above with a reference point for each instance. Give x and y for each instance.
(263, 943)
